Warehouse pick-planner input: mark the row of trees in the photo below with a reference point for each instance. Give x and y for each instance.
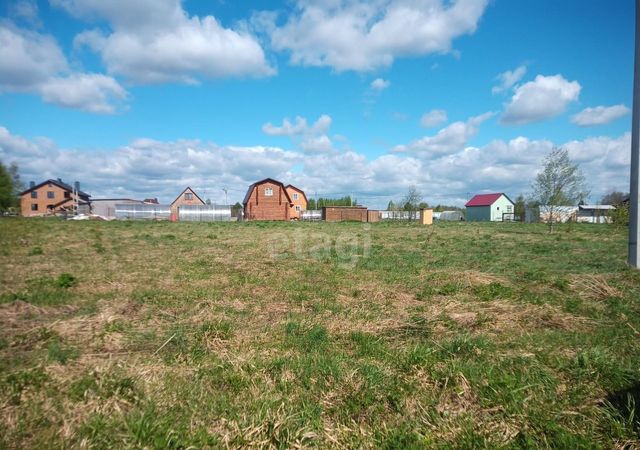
(342, 201)
(10, 187)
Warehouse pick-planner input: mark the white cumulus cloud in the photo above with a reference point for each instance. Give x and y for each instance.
(34, 63)
(599, 115)
(380, 84)
(452, 138)
(310, 138)
(365, 35)
(543, 98)
(156, 41)
(90, 92)
(433, 118)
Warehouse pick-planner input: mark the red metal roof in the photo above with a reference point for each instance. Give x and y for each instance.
(483, 199)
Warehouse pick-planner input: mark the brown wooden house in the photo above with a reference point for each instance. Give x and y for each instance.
(267, 199)
(186, 197)
(52, 197)
(299, 200)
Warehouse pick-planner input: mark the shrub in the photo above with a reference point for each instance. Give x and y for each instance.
(620, 215)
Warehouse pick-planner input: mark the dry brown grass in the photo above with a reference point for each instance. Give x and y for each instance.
(594, 287)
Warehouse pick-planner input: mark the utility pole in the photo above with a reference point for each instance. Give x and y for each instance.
(634, 214)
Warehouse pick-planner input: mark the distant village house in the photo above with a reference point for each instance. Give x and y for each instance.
(186, 197)
(495, 207)
(269, 199)
(53, 197)
(299, 200)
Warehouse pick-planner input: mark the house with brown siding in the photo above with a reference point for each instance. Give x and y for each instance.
(187, 197)
(299, 200)
(52, 197)
(267, 199)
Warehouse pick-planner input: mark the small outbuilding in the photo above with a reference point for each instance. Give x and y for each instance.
(496, 207)
(594, 213)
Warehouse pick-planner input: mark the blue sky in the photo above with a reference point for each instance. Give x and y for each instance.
(141, 98)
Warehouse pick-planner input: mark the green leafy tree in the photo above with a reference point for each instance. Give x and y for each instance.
(620, 215)
(391, 206)
(342, 201)
(9, 187)
(559, 183)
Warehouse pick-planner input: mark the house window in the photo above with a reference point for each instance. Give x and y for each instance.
(188, 196)
(34, 207)
(497, 208)
(34, 194)
(298, 208)
(509, 208)
(295, 196)
(67, 194)
(268, 192)
(51, 194)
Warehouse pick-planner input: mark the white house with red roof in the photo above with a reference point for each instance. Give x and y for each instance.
(495, 207)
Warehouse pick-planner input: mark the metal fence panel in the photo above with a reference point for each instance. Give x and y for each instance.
(204, 213)
(311, 214)
(399, 215)
(144, 211)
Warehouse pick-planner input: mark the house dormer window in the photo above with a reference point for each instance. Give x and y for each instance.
(268, 192)
(295, 196)
(188, 196)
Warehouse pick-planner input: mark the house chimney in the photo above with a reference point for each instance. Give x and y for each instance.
(32, 184)
(60, 180)
(76, 185)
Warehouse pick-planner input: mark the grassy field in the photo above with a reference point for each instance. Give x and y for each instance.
(176, 335)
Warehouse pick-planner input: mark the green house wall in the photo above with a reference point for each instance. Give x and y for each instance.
(478, 213)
